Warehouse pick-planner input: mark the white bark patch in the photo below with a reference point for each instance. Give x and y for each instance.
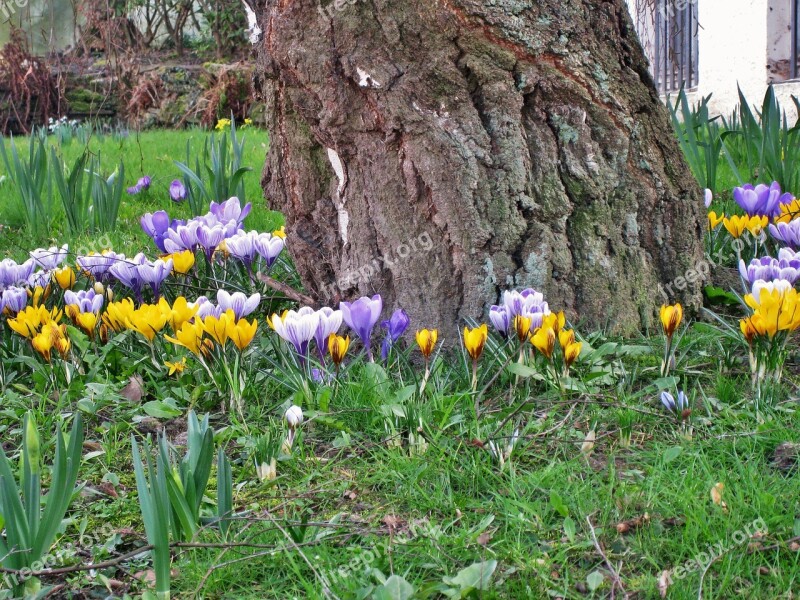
(366, 80)
(253, 30)
(344, 217)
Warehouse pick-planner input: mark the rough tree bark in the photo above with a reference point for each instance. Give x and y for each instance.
(525, 138)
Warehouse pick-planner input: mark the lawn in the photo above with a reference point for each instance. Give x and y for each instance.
(538, 479)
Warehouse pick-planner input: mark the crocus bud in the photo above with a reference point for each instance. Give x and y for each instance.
(293, 416)
(98, 288)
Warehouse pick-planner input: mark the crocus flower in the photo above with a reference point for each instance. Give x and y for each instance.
(182, 262)
(126, 271)
(241, 305)
(98, 265)
(475, 340)
(242, 333)
(708, 197)
(768, 268)
(737, 225)
(544, 340)
(154, 273)
(426, 340)
(714, 220)
(329, 323)
(65, 278)
(210, 237)
(671, 317)
(761, 200)
(40, 279)
(673, 406)
(182, 236)
(13, 274)
(293, 416)
(500, 318)
(243, 247)
(297, 328)
(84, 300)
(177, 191)
(156, 226)
(269, 247)
(229, 210)
(395, 327)
(361, 316)
(49, 258)
(13, 300)
(141, 185)
(337, 347)
(524, 302)
(788, 233)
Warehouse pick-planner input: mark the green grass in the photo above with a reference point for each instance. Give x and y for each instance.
(356, 503)
(144, 153)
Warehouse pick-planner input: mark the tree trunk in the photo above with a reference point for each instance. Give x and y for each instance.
(439, 152)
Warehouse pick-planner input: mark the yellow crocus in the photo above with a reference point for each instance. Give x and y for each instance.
(39, 294)
(219, 328)
(175, 367)
(755, 225)
(789, 211)
(65, 278)
(86, 322)
(522, 327)
(190, 336)
(736, 225)
(714, 220)
(243, 332)
(147, 320)
(566, 337)
(43, 344)
(281, 233)
(775, 310)
(671, 317)
(544, 340)
(475, 340)
(571, 352)
(180, 312)
(337, 347)
(118, 314)
(426, 340)
(182, 262)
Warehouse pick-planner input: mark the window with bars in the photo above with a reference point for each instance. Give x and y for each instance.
(674, 52)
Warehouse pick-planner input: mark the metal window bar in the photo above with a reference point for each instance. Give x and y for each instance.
(793, 59)
(675, 55)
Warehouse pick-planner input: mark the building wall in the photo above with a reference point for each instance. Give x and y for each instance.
(740, 42)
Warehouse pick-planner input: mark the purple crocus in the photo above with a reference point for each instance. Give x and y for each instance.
(209, 238)
(86, 300)
(154, 273)
(673, 406)
(126, 271)
(788, 233)
(242, 246)
(395, 326)
(298, 328)
(13, 274)
(768, 268)
(49, 258)
(40, 278)
(97, 265)
(13, 300)
(239, 303)
(525, 302)
(500, 318)
(141, 185)
(177, 191)
(329, 323)
(183, 236)
(361, 316)
(230, 210)
(268, 247)
(156, 226)
(205, 308)
(761, 200)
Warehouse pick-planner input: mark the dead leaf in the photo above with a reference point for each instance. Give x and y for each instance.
(664, 580)
(588, 442)
(631, 524)
(484, 538)
(134, 390)
(716, 496)
(393, 523)
(92, 446)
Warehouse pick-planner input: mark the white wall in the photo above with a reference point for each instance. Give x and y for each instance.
(736, 41)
